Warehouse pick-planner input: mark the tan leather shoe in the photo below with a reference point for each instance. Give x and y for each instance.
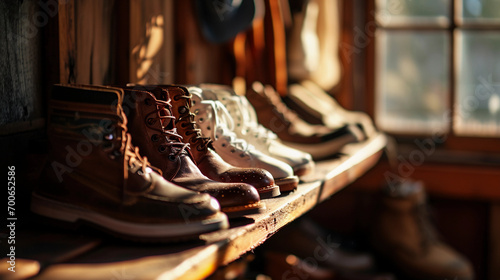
(95, 174)
(154, 130)
(318, 140)
(403, 235)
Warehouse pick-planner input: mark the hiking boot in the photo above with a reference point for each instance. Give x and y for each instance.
(95, 174)
(403, 235)
(318, 140)
(248, 128)
(152, 125)
(215, 122)
(209, 162)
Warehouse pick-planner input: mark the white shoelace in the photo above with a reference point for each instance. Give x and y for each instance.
(223, 124)
(239, 105)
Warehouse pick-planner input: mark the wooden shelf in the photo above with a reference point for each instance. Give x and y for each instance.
(113, 259)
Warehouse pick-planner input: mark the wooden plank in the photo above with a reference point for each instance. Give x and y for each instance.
(67, 43)
(20, 64)
(197, 261)
(85, 49)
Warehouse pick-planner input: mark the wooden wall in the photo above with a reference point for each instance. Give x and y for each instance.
(20, 65)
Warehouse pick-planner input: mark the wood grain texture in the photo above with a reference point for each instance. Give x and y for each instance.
(20, 62)
(85, 47)
(197, 261)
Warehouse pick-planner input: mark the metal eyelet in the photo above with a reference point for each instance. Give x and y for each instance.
(172, 157)
(223, 145)
(162, 149)
(233, 151)
(155, 138)
(151, 121)
(183, 110)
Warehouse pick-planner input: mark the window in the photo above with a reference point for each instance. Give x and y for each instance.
(437, 67)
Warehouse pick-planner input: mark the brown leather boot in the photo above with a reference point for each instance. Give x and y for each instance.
(153, 127)
(318, 140)
(95, 175)
(403, 235)
(207, 159)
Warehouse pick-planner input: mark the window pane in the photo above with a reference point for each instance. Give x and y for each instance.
(479, 11)
(478, 83)
(413, 12)
(412, 79)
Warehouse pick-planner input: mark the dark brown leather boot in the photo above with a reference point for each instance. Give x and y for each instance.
(403, 235)
(318, 140)
(153, 127)
(95, 175)
(207, 159)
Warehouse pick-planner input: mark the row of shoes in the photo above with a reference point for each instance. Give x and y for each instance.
(170, 162)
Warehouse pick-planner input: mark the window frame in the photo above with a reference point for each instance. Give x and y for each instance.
(452, 142)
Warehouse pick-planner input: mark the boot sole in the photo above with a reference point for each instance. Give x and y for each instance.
(287, 184)
(269, 191)
(238, 211)
(156, 232)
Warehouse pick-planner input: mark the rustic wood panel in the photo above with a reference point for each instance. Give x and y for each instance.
(85, 46)
(20, 65)
(151, 46)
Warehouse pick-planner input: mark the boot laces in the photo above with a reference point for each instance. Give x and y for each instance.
(170, 136)
(240, 107)
(223, 125)
(132, 160)
(187, 121)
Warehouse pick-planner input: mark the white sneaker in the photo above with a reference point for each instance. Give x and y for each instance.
(248, 128)
(215, 122)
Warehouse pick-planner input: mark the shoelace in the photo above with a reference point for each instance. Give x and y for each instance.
(187, 120)
(132, 160)
(239, 106)
(223, 125)
(170, 136)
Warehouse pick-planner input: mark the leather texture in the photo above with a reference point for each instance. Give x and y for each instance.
(247, 127)
(209, 162)
(312, 103)
(94, 166)
(153, 125)
(318, 140)
(215, 122)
